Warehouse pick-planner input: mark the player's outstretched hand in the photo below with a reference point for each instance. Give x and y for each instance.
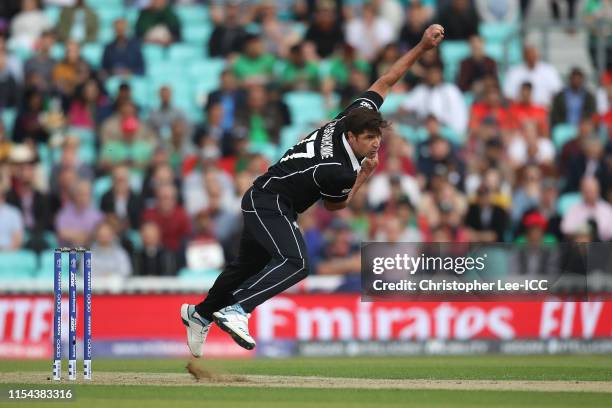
(432, 37)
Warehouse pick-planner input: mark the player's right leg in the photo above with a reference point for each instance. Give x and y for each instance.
(197, 328)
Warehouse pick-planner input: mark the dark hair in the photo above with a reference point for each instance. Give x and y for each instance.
(361, 119)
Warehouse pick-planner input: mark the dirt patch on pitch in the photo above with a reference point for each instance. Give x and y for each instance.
(271, 381)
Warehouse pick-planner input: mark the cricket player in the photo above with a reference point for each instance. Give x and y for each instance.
(331, 164)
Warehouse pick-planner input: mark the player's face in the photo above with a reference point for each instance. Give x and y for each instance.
(366, 144)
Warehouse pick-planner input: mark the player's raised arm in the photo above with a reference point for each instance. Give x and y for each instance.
(431, 39)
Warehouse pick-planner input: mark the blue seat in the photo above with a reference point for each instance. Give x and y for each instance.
(497, 32)
(192, 14)
(197, 35)
(392, 103)
(100, 186)
(141, 89)
(100, 4)
(566, 201)
(92, 53)
(8, 119)
(46, 263)
(305, 107)
(58, 51)
(108, 15)
(185, 53)
(153, 54)
(563, 133)
(19, 264)
(106, 34)
(86, 136)
(452, 53)
(53, 14)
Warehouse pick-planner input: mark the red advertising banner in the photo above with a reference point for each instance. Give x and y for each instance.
(150, 325)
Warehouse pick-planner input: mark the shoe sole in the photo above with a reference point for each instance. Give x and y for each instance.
(237, 338)
(184, 312)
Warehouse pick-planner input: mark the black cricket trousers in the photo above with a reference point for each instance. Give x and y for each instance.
(272, 256)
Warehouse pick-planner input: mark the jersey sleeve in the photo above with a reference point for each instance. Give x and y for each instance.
(334, 183)
(368, 99)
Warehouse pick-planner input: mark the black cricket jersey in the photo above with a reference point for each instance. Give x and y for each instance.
(322, 165)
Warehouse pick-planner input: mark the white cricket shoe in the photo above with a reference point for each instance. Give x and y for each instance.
(235, 322)
(197, 329)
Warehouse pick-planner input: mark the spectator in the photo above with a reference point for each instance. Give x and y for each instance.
(171, 218)
(368, 34)
(70, 158)
(325, 32)
(254, 65)
(28, 24)
(543, 77)
(573, 147)
(114, 127)
(535, 258)
(161, 119)
(158, 24)
(108, 257)
(262, 119)
(299, 74)
(495, 11)
(13, 62)
(574, 102)
(528, 146)
(591, 209)
(123, 56)
(179, 144)
(486, 221)
(229, 34)
(475, 68)
(347, 62)
(459, 20)
(11, 225)
(527, 193)
(596, 12)
(76, 221)
(121, 200)
(89, 107)
(436, 156)
(278, 35)
(158, 174)
(72, 71)
(341, 254)
(523, 110)
(382, 185)
(10, 90)
(213, 128)
(133, 148)
(491, 108)
(153, 259)
(590, 161)
(231, 98)
(28, 124)
(78, 23)
(39, 67)
(417, 20)
(441, 99)
(203, 251)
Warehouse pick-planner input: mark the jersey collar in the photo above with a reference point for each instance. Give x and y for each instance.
(351, 154)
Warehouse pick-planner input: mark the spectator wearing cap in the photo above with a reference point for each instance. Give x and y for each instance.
(486, 221)
(170, 217)
(441, 99)
(126, 118)
(592, 209)
(324, 31)
(28, 24)
(524, 110)
(459, 19)
(476, 67)
(254, 65)
(121, 200)
(76, 221)
(574, 102)
(153, 259)
(535, 258)
(132, 148)
(229, 33)
(122, 56)
(542, 75)
(11, 225)
(78, 23)
(158, 24)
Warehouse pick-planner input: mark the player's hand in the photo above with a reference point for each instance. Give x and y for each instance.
(432, 37)
(368, 165)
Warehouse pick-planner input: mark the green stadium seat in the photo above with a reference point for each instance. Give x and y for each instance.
(8, 119)
(566, 201)
(563, 133)
(18, 264)
(185, 53)
(92, 53)
(305, 107)
(452, 53)
(392, 103)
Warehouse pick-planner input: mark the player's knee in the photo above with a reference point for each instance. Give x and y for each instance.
(300, 264)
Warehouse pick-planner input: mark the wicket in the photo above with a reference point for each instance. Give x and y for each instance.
(72, 313)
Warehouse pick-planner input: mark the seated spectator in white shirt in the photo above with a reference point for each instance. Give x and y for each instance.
(369, 33)
(11, 226)
(108, 257)
(28, 25)
(441, 99)
(542, 75)
(591, 208)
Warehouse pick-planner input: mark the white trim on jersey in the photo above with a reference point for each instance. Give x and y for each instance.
(349, 150)
(300, 171)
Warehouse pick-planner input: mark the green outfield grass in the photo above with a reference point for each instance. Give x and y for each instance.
(500, 368)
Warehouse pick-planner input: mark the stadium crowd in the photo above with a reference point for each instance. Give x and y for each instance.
(135, 126)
